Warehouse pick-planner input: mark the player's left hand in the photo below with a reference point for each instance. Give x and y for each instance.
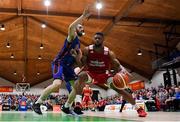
(73, 52)
(79, 54)
(86, 12)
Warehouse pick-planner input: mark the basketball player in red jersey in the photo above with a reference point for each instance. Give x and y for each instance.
(87, 92)
(98, 61)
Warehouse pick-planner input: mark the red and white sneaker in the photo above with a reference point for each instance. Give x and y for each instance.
(141, 112)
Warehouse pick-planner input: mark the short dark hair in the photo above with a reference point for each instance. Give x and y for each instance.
(99, 33)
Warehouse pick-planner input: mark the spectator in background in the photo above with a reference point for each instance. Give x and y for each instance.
(162, 96)
(160, 86)
(154, 91)
(149, 95)
(169, 100)
(176, 101)
(122, 105)
(29, 102)
(1, 99)
(22, 103)
(101, 104)
(157, 102)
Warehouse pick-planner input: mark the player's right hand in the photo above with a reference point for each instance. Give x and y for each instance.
(79, 54)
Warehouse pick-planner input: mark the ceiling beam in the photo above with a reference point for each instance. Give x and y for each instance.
(25, 47)
(142, 26)
(28, 59)
(19, 6)
(9, 59)
(122, 13)
(8, 19)
(150, 20)
(9, 11)
(29, 12)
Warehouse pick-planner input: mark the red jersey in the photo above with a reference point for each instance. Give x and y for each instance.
(98, 62)
(87, 91)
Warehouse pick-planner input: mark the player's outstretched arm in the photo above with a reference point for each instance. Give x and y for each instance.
(72, 27)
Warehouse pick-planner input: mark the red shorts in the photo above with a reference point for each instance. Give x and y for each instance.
(99, 78)
(86, 99)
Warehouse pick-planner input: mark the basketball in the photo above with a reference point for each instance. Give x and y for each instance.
(120, 80)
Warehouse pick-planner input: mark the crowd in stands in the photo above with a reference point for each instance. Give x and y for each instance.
(165, 99)
(14, 100)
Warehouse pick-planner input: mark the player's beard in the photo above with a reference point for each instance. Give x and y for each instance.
(80, 33)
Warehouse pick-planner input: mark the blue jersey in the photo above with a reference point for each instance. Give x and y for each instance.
(62, 65)
(64, 56)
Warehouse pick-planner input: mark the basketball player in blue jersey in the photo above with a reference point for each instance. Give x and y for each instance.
(63, 64)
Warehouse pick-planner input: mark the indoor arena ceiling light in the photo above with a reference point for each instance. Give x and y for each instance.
(43, 25)
(41, 46)
(39, 57)
(8, 45)
(12, 55)
(38, 73)
(15, 73)
(2, 27)
(98, 5)
(47, 2)
(139, 52)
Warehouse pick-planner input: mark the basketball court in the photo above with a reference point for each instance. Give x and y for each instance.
(90, 116)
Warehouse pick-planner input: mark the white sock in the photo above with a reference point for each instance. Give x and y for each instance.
(39, 101)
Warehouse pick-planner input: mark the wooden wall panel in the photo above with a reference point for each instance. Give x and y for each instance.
(8, 3)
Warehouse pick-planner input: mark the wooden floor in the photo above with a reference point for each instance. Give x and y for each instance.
(132, 115)
(89, 116)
